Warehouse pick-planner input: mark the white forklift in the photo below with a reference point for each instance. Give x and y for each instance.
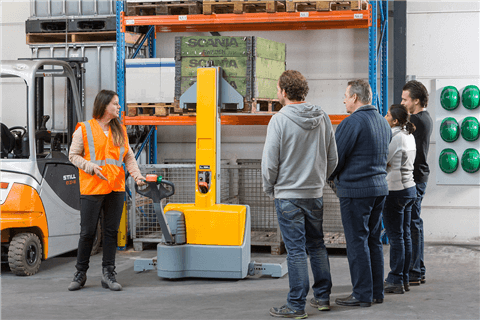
(39, 187)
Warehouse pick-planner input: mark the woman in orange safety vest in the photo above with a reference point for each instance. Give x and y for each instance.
(99, 149)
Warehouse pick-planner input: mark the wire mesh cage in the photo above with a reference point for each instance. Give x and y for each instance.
(142, 217)
(240, 183)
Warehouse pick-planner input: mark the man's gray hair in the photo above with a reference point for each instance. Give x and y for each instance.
(362, 89)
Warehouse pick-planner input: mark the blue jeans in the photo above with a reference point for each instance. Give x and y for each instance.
(417, 266)
(361, 219)
(396, 217)
(300, 222)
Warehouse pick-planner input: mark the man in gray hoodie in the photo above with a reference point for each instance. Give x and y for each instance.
(300, 153)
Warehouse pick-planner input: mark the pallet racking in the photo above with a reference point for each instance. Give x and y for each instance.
(375, 19)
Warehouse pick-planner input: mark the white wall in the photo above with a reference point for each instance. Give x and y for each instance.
(13, 45)
(443, 43)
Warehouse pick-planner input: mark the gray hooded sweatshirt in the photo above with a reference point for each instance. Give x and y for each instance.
(299, 153)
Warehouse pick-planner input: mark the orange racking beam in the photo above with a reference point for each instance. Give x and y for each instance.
(253, 21)
(226, 119)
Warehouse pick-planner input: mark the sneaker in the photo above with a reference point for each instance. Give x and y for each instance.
(79, 279)
(285, 312)
(351, 301)
(393, 287)
(423, 280)
(108, 279)
(414, 282)
(321, 305)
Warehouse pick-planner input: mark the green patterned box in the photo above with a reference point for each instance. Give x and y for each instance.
(251, 65)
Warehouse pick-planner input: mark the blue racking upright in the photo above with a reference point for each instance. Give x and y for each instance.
(376, 17)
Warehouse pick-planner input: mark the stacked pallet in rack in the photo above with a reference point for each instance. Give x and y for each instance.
(239, 7)
(74, 29)
(163, 7)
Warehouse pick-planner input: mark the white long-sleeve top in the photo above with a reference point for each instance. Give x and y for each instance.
(401, 156)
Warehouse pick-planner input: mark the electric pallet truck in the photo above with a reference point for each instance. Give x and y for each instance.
(206, 239)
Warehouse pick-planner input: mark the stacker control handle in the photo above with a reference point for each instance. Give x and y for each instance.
(156, 190)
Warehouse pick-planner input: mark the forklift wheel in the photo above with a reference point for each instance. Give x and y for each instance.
(25, 254)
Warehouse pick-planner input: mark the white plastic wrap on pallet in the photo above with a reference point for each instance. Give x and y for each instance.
(62, 8)
(150, 80)
(100, 70)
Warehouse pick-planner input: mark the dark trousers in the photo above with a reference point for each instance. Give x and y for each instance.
(396, 217)
(90, 208)
(361, 218)
(417, 265)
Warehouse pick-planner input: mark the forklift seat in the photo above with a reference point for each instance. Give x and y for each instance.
(8, 141)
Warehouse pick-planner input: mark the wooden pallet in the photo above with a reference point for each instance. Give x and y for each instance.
(300, 5)
(156, 109)
(242, 6)
(164, 8)
(80, 37)
(265, 105)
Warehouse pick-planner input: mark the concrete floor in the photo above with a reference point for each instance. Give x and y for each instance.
(452, 291)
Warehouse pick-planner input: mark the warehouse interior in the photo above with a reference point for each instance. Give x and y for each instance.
(434, 42)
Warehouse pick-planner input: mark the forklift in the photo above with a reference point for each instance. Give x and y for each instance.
(39, 186)
(206, 239)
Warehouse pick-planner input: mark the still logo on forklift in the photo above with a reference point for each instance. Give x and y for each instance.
(70, 179)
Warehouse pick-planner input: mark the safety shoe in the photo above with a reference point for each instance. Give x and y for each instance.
(379, 300)
(321, 305)
(406, 285)
(414, 282)
(351, 301)
(285, 312)
(423, 280)
(108, 279)
(389, 287)
(79, 279)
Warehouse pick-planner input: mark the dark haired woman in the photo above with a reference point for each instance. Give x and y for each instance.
(99, 148)
(402, 193)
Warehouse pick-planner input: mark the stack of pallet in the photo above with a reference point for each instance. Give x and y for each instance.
(74, 29)
(181, 7)
(252, 66)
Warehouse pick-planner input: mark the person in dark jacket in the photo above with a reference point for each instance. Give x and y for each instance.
(360, 178)
(415, 98)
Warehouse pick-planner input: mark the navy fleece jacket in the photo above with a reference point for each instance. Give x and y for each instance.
(362, 143)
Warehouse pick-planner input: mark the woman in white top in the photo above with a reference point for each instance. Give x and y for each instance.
(398, 204)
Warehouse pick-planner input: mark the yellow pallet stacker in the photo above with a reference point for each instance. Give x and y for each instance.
(206, 239)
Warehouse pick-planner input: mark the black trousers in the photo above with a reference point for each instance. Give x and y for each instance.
(90, 208)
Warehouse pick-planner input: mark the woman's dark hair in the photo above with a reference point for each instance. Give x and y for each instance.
(294, 84)
(399, 112)
(418, 91)
(101, 102)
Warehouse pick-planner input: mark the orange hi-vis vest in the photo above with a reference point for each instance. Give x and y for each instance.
(99, 149)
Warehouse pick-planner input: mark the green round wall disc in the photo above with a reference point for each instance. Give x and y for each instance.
(448, 160)
(470, 129)
(449, 129)
(471, 160)
(471, 97)
(450, 98)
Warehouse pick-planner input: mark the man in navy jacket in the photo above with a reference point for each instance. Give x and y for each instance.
(360, 179)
